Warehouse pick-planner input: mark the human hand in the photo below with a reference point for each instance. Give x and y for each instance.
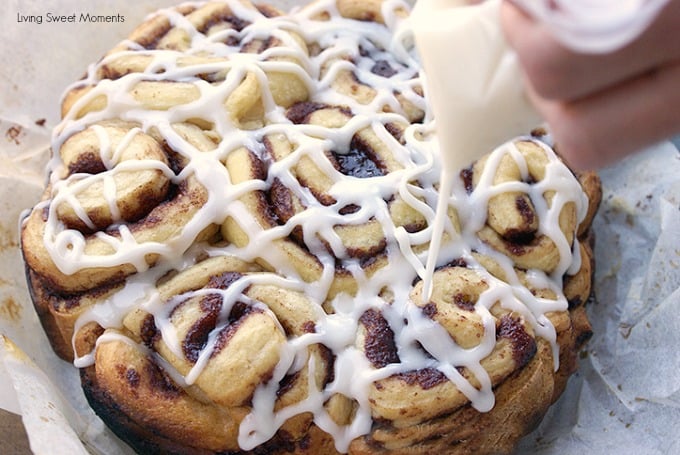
(601, 107)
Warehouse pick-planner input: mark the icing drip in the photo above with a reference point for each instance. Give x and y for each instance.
(378, 57)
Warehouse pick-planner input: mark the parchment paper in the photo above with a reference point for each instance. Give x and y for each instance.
(625, 399)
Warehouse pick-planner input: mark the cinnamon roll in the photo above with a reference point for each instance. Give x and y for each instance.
(231, 246)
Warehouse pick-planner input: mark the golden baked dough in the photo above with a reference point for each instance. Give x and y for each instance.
(231, 246)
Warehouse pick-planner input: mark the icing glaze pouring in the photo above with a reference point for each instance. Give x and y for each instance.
(473, 84)
(234, 158)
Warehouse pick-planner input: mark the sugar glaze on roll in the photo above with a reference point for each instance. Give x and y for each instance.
(232, 240)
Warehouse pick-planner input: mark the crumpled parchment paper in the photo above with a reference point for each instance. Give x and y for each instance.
(625, 399)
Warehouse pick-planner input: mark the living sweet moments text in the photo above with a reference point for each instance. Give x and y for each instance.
(81, 17)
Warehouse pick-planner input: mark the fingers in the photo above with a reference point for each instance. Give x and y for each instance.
(601, 107)
(557, 72)
(602, 128)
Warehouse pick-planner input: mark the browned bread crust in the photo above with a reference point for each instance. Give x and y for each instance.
(177, 344)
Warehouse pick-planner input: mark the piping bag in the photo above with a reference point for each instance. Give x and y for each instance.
(473, 79)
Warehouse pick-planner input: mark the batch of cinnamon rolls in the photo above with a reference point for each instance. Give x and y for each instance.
(232, 239)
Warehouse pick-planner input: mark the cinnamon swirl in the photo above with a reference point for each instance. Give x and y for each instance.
(232, 241)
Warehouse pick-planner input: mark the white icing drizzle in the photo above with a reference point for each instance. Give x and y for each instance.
(416, 183)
